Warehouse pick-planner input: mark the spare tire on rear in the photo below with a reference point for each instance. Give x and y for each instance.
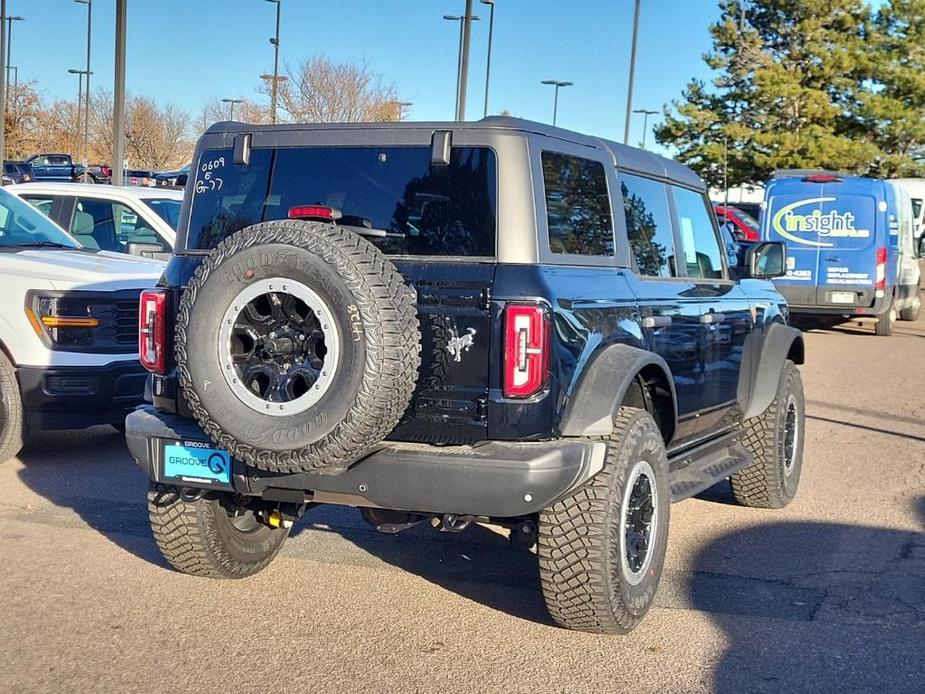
(297, 346)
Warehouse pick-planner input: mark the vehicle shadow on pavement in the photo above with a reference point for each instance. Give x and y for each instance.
(91, 473)
(479, 563)
(810, 606)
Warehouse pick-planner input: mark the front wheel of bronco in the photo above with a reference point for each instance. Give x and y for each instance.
(210, 534)
(775, 438)
(602, 548)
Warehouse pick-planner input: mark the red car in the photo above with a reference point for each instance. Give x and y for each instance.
(743, 226)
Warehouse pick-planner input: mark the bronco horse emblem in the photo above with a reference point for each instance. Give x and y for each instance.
(460, 343)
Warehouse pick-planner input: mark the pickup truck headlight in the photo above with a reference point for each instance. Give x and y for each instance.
(64, 320)
(100, 322)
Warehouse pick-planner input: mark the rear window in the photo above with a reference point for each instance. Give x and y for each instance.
(391, 195)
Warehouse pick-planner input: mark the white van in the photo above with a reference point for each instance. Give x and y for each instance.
(68, 328)
(916, 189)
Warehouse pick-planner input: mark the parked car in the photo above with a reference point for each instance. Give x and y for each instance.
(848, 241)
(173, 178)
(343, 321)
(123, 219)
(16, 172)
(68, 329)
(61, 167)
(742, 225)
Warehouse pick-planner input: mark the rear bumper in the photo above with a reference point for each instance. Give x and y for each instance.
(74, 397)
(496, 478)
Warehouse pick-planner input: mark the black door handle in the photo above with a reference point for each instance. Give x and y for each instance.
(656, 321)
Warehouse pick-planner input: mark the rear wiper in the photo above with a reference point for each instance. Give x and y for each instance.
(44, 244)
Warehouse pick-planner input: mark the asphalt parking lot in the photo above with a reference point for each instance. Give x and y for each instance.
(828, 594)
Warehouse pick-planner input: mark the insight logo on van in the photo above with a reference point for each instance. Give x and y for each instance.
(787, 222)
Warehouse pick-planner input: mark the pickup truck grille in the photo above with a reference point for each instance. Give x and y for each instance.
(125, 322)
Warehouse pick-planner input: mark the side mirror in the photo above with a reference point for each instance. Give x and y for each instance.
(766, 260)
(147, 250)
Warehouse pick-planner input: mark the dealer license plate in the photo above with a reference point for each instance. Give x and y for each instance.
(196, 463)
(843, 297)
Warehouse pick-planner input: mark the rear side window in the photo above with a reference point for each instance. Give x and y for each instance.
(577, 205)
(390, 195)
(648, 225)
(699, 242)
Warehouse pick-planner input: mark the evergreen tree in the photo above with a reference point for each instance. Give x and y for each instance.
(893, 110)
(789, 84)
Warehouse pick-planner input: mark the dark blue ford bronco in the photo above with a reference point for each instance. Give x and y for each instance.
(494, 322)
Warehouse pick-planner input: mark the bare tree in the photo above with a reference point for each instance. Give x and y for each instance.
(156, 135)
(322, 91)
(215, 110)
(25, 120)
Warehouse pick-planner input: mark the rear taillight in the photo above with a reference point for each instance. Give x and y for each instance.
(152, 330)
(880, 282)
(526, 349)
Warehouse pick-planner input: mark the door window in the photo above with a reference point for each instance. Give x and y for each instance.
(699, 242)
(42, 204)
(577, 205)
(93, 224)
(648, 225)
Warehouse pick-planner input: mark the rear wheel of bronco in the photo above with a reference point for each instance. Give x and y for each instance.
(210, 534)
(12, 427)
(297, 346)
(601, 549)
(775, 438)
(886, 321)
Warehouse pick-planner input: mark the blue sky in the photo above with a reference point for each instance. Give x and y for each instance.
(186, 51)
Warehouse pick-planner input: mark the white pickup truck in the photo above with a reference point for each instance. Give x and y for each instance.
(68, 328)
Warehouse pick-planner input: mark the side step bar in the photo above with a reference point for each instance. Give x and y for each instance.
(699, 468)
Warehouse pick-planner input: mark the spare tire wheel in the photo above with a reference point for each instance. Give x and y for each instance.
(297, 346)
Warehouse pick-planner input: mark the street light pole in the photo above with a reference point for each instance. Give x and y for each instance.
(3, 81)
(464, 62)
(555, 104)
(275, 43)
(232, 102)
(9, 44)
(459, 57)
(645, 122)
(86, 142)
(491, 32)
(629, 88)
(118, 101)
(80, 94)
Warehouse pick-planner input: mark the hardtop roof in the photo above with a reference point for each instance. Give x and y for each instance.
(624, 156)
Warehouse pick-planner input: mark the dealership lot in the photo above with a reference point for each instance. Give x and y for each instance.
(827, 593)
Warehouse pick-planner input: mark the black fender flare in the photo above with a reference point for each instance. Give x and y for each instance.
(603, 385)
(762, 360)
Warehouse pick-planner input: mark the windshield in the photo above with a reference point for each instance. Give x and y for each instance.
(167, 209)
(746, 219)
(391, 195)
(23, 225)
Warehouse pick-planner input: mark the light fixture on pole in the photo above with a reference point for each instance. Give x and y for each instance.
(645, 122)
(274, 41)
(629, 87)
(88, 72)
(555, 104)
(232, 102)
(400, 107)
(491, 31)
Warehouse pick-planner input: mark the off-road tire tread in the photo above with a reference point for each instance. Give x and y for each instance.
(393, 346)
(12, 425)
(572, 544)
(760, 484)
(185, 535)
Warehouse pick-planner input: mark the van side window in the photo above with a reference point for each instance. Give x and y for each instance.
(577, 205)
(702, 254)
(648, 225)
